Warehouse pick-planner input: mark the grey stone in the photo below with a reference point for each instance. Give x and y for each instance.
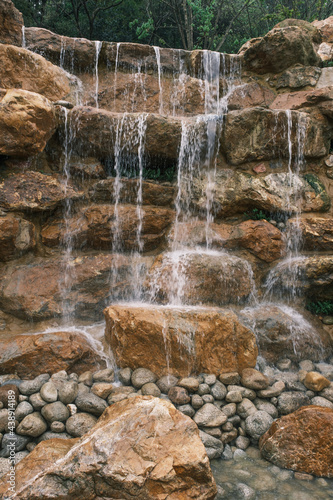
(49, 392)
(227, 453)
(235, 420)
(68, 391)
(150, 389)
(227, 427)
(245, 392)
(31, 446)
(196, 401)
(74, 377)
(257, 424)
(242, 442)
(289, 402)
(293, 385)
(243, 491)
(53, 435)
(55, 412)
(165, 383)
(284, 364)
(214, 447)
(22, 410)
(37, 401)
(106, 375)
(218, 391)
(32, 425)
(119, 394)
(22, 398)
(142, 376)
(229, 410)
(307, 365)
(61, 375)
(325, 369)
(125, 375)
(207, 398)
(327, 393)
(234, 397)
(209, 416)
(246, 408)
(310, 394)
(275, 390)
(203, 389)
(82, 389)
(86, 378)
(190, 383)
(57, 426)
(29, 387)
(80, 423)
(318, 400)
(213, 431)
(72, 409)
(263, 405)
(19, 443)
(90, 403)
(209, 379)
(187, 410)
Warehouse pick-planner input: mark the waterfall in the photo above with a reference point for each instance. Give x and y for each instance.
(24, 44)
(62, 53)
(159, 72)
(98, 46)
(115, 73)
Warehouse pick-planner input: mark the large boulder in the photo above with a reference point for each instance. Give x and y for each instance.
(179, 341)
(205, 277)
(258, 236)
(140, 448)
(325, 28)
(281, 48)
(22, 69)
(250, 95)
(236, 192)
(11, 23)
(35, 192)
(247, 135)
(300, 441)
(27, 122)
(100, 226)
(25, 354)
(316, 232)
(81, 286)
(283, 332)
(17, 236)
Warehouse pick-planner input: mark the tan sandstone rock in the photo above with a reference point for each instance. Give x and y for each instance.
(315, 381)
(316, 232)
(142, 447)
(11, 22)
(27, 122)
(179, 340)
(300, 441)
(17, 236)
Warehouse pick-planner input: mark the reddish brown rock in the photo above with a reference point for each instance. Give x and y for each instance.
(179, 395)
(82, 286)
(204, 277)
(22, 69)
(179, 341)
(17, 236)
(27, 122)
(97, 226)
(33, 191)
(25, 354)
(315, 381)
(325, 28)
(306, 99)
(11, 22)
(316, 232)
(300, 441)
(142, 447)
(250, 95)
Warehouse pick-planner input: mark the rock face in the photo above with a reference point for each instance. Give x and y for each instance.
(21, 69)
(281, 48)
(193, 277)
(316, 232)
(17, 236)
(39, 290)
(299, 441)
(27, 122)
(177, 340)
(11, 22)
(120, 451)
(101, 227)
(25, 354)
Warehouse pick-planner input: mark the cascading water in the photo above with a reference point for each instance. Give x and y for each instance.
(159, 73)
(23, 37)
(98, 46)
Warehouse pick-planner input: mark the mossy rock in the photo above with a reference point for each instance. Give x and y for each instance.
(319, 189)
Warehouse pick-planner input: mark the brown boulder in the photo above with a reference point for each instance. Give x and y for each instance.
(33, 191)
(283, 332)
(140, 448)
(297, 77)
(204, 277)
(306, 99)
(25, 354)
(279, 49)
(97, 226)
(250, 95)
(325, 28)
(11, 23)
(82, 286)
(22, 69)
(316, 232)
(300, 441)
(27, 122)
(179, 341)
(17, 236)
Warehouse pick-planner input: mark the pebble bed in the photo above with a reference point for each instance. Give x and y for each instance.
(231, 411)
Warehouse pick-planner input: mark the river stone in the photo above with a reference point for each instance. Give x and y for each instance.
(325, 369)
(86, 378)
(32, 425)
(218, 390)
(209, 378)
(20, 443)
(229, 410)
(22, 410)
(120, 393)
(57, 427)
(242, 442)
(187, 410)
(196, 401)
(165, 383)
(37, 401)
(29, 387)
(319, 401)
(125, 375)
(246, 408)
(102, 389)
(190, 383)
(229, 378)
(234, 397)
(55, 412)
(49, 392)
(269, 408)
(275, 390)
(91, 404)
(209, 416)
(315, 381)
(83, 389)
(150, 389)
(289, 402)
(245, 392)
(207, 398)
(68, 392)
(257, 424)
(179, 395)
(203, 389)
(106, 375)
(253, 379)
(213, 431)
(328, 393)
(214, 447)
(142, 376)
(80, 423)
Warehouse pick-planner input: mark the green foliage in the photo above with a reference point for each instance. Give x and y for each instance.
(257, 214)
(327, 64)
(164, 175)
(320, 307)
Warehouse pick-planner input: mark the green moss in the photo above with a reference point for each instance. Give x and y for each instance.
(319, 189)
